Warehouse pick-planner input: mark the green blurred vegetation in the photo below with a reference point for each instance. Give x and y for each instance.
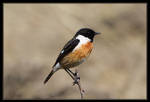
(35, 33)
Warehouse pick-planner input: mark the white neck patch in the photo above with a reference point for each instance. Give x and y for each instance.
(83, 40)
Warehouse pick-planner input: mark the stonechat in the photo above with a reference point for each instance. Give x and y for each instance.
(75, 51)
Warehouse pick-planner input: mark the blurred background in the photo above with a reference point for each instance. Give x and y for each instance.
(34, 34)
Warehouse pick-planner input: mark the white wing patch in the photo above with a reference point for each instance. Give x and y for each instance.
(83, 40)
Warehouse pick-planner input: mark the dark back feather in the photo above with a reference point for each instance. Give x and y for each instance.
(67, 49)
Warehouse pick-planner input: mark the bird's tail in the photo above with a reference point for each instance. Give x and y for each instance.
(55, 68)
(49, 76)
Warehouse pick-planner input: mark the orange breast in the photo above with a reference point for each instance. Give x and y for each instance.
(78, 55)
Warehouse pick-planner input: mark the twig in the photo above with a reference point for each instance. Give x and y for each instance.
(76, 79)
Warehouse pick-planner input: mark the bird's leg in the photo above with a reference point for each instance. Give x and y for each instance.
(75, 76)
(70, 74)
(70, 71)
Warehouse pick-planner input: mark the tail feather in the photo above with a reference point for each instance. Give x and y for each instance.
(49, 76)
(55, 68)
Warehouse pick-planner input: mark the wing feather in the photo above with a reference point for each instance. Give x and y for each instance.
(67, 49)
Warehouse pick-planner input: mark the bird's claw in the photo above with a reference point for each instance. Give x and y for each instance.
(76, 78)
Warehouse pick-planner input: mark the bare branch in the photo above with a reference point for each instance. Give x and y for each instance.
(77, 81)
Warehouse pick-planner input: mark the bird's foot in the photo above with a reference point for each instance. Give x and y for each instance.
(76, 77)
(76, 80)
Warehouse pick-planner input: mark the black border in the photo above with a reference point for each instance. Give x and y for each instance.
(67, 1)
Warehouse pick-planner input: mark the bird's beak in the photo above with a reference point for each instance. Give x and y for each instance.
(97, 33)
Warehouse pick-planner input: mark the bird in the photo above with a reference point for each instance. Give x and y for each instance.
(75, 51)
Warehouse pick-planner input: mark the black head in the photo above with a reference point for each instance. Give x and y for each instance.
(87, 33)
